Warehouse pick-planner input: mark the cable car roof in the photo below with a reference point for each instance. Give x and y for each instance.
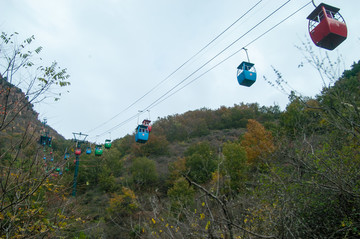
(316, 11)
(246, 64)
(140, 126)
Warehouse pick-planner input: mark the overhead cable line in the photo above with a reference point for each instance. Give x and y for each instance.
(229, 56)
(120, 124)
(176, 70)
(222, 51)
(158, 102)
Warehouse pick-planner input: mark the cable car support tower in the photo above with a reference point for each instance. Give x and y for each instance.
(79, 138)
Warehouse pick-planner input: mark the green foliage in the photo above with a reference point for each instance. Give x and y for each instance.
(30, 192)
(155, 146)
(201, 162)
(308, 185)
(181, 195)
(171, 127)
(235, 165)
(107, 181)
(114, 162)
(348, 74)
(340, 103)
(201, 122)
(143, 172)
(301, 116)
(124, 144)
(123, 204)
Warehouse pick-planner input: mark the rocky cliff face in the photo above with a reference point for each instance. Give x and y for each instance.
(17, 115)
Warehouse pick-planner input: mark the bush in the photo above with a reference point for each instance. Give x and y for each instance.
(143, 172)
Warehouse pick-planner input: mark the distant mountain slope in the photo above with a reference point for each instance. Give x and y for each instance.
(18, 115)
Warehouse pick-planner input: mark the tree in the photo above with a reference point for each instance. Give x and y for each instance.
(20, 69)
(314, 181)
(143, 172)
(257, 142)
(200, 160)
(24, 185)
(181, 195)
(121, 211)
(235, 165)
(156, 145)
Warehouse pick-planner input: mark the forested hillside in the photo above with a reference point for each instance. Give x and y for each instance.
(236, 172)
(246, 171)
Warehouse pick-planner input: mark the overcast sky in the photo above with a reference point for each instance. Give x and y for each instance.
(118, 50)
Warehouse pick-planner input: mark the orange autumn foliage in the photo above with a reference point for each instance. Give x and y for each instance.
(257, 142)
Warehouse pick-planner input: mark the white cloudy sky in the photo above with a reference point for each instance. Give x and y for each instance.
(118, 50)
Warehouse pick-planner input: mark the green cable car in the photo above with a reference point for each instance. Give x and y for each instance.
(98, 150)
(108, 144)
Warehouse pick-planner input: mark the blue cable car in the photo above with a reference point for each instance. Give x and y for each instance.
(142, 134)
(66, 156)
(246, 74)
(88, 150)
(45, 140)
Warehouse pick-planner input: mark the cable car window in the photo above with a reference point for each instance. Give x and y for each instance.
(329, 14)
(338, 17)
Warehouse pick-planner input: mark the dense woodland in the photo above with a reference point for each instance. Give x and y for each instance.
(246, 171)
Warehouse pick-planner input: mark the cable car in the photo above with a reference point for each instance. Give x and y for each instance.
(98, 150)
(88, 150)
(77, 151)
(45, 140)
(108, 144)
(49, 141)
(147, 122)
(327, 28)
(246, 74)
(66, 156)
(142, 134)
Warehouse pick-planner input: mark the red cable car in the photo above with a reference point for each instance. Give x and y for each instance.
(77, 151)
(327, 27)
(147, 122)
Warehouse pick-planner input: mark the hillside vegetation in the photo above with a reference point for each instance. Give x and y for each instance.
(236, 172)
